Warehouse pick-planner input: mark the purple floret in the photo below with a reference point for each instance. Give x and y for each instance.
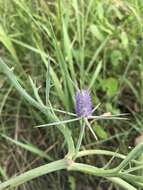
(83, 103)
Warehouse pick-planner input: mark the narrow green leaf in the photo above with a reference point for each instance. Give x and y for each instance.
(29, 147)
(5, 39)
(95, 75)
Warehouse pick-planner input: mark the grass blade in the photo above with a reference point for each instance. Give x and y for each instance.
(29, 147)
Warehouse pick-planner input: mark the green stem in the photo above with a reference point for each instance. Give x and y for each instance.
(103, 152)
(80, 139)
(29, 175)
(92, 170)
(131, 178)
(111, 174)
(121, 183)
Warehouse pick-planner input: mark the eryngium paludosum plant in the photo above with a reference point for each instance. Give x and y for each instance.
(121, 174)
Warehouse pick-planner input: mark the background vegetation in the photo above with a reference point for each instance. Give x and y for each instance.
(59, 45)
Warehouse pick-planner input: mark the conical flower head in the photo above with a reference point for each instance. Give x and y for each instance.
(83, 103)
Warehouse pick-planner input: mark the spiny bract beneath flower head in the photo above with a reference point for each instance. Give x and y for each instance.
(83, 103)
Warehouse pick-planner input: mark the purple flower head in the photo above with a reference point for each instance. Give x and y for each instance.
(83, 103)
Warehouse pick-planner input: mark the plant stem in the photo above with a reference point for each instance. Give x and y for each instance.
(104, 152)
(80, 139)
(111, 174)
(92, 170)
(121, 183)
(29, 175)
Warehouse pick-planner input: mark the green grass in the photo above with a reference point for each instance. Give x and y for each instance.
(53, 48)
